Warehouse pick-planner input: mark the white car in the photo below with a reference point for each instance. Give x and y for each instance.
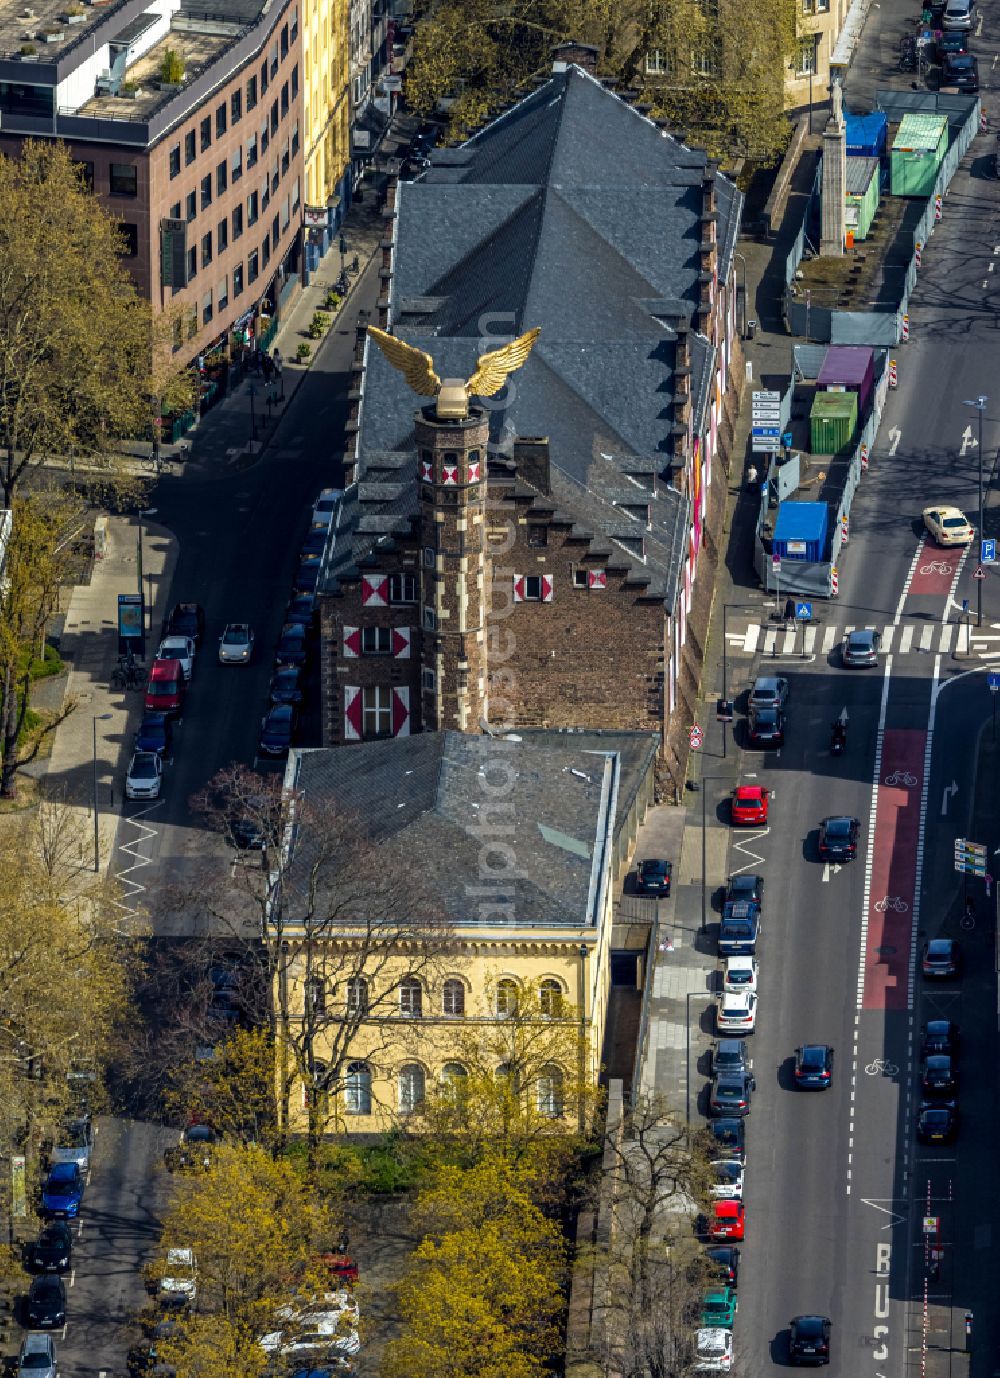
(330, 1326)
(179, 1285)
(740, 973)
(736, 1012)
(325, 506)
(180, 648)
(713, 1351)
(948, 525)
(145, 775)
(727, 1180)
(236, 644)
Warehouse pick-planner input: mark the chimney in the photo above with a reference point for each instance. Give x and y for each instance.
(531, 461)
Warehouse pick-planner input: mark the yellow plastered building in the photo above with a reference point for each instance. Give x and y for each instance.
(326, 101)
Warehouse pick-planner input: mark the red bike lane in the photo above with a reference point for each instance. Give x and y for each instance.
(892, 885)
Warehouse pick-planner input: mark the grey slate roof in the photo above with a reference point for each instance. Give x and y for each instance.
(574, 213)
(420, 799)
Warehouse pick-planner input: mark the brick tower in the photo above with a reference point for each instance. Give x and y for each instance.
(451, 473)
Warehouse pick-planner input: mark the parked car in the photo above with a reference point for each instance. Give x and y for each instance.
(165, 688)
(941, 959)
(749, 806)
(948, 525)
(179, 1284)
(937, 1122)
(46, 1309)
(718, 1307)
(713, 1350)
(292, 647)
(325, 505)
(236, 644)
(724, 1262)
(302, 610)
(653, 877)
(813, 1067)
(187, 619)
(729, 1096)
(959, 14)
(314, 541)
(730, 1055)
(938, 1080)
(838, 838)
(739, 930)
(729, 1138)
(144, 777)
(861, 648)
(277, 729)
(37, 1357)
(52, 1251)
(62, 1193)
(745, 887)
(962, 71)
(284, 686)
(728, 1220)
(955, 41)
(736, 1012)
(76, 1142)
(769, 691)
(939, 1036)
(809, 1341)
(740, 974)
(180, 648)
(307, 575)
(727, 1179)
(766, 727)
(193, 1151)
(155, 734)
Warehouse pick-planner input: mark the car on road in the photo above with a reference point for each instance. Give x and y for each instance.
(959, 14)
(813, 1067)
(727, 1179)
(724, 1262)
(809, 1341)
(179, 1284)
(939, 1036)
(37, 1357)
(292, 647)
(745, 887)
(342, 1268)
(736, 1012)
(180, 648)
(739, 930)
(938, 1080)
(652, 877)
(749, 806)
(729, 1095)
(713, 1350)
(277, 729)
(948, 525)
(838, 838)
(769, 691)
(326, 505)
(718, 1308)
(740, 974)
(75, 1143)
(62, 1193)
(144, 777)
(728, 1220)
(186, 619)
(941, 959)
(193, 1151)
(285, 686)
(236, 644)
(730, 1055)
(937, 1122)
(956, 41)
(155, 734)
(52, 1251)
(165, 688)
(861, 648)
(728, 1138)
(302, 610)
(46, 1309)
(766, 727)
(960, 70)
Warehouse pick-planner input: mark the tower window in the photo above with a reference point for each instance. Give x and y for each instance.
(403, 588)
(538, 535)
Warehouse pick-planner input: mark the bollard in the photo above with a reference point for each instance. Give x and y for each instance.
(892, 373)
(968, 1331)
(906, 327)
(916, 253)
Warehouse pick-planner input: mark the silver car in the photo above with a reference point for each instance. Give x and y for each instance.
(769, 691)
(37, 1358)
(236, 644)
(75, 1144)
(861, 647)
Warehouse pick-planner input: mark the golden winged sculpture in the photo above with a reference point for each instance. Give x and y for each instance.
(492, 371)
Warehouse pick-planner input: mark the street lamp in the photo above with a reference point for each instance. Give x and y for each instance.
(143, 512)
(98, 717)
(705, 780)
(979, 404)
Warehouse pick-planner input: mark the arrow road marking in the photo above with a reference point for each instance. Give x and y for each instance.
(875, 1203)
(969, 441)
(949, 793)
(895, 436)
(829, 870)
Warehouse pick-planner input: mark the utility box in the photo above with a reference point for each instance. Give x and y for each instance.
(800, 531)
(917, 151)
(861, 195)
(849, 368)
(833, 421)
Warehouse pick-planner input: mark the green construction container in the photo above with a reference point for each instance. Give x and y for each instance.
(861, 200)
(917, 151)
(833, 421)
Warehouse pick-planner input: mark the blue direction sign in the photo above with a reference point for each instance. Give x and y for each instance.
(989, 555)
(803, 612)
(993, 680)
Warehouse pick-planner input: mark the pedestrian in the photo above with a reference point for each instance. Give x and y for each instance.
(276, 360)
(752, 476)
(266, 363)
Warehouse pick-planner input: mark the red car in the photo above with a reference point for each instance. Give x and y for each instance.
(728, 1220)
(749, 804)
(342, 1268)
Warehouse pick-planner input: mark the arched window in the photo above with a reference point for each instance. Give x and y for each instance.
(315, 994)
(411, 997)
(454, 996)
(550, 1091)
(357, 995)
(454, 1074)
(507, 1074)
(411, 1087)
(358, 1089)
(550, 998)
(507, 997)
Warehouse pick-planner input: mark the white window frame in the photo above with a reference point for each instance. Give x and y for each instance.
(411, 1087)
(376, 712)
(376, 641)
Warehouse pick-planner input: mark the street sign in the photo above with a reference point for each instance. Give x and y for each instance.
(757, 397)
(695, 737)
(769, 432)
(989, 553)
(970, 857)
(724, 710)
(803, 612)
(980, 573)
(993, 680)
(932, 1224)
(775, 562)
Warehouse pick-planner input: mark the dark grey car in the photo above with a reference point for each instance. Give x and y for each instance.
(861, 648)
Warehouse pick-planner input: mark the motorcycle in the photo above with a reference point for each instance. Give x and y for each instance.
(838, 739)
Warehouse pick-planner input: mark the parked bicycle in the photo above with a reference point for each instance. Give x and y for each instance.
(126, 674)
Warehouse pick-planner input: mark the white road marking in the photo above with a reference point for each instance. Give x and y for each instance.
(895, 435)
(887, 636)
(742, 846)
(947, 632)
(949, 601)
(829, 870)
(876, 1204)
(949, 793)
(750, 643)
(905, 638)
(909, 577)
(926, 637)
(770, 637)
(829, 637)
(810, 638)
(72, 1277)
(789, 644)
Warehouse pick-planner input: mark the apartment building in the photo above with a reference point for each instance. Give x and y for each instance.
(326, 119)
(187, 118)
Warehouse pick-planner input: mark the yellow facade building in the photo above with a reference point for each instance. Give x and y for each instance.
(445, 910)
(327, 107)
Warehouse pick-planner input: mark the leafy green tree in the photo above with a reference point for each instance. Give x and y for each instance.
(232, 1090)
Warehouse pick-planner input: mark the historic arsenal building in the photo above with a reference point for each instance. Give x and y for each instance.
(538, 550)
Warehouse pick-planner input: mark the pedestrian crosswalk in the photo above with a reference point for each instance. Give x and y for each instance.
(929, 638)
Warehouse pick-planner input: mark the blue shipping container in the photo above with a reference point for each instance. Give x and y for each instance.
(865, 134)
(800, 531)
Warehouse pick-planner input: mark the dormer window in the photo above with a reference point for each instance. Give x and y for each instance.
(538, 535)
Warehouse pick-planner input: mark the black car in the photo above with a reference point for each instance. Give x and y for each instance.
(285, 687)
(937, 1081)
(277, 729)
(155, 733)
(52, 1251)
(939, 1036)
(307, 575)
(302, 610)
(315, 541)
(724, 1263)
(809, 1342)
(838, 838)
(961, 70)
(746, 888)
(187, 619)
(729, 1138)
(937, 1122)
(194, 1151)
(653, 877)
(766, 727)
(941, 959)
(47, 1303)
(952, 42)
(730, 1094)
(813, 1067)
(291, 648)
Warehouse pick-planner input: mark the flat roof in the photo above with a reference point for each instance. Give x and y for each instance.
(25, 21)
(197, 49)
(919, 133)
